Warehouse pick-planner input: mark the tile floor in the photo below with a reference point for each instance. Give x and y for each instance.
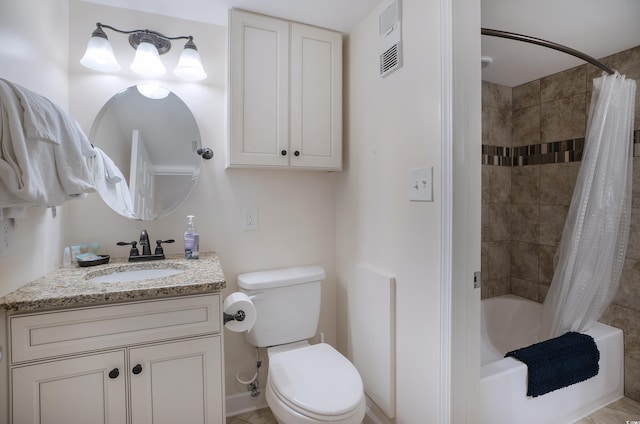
(624, 411)
(261, 416)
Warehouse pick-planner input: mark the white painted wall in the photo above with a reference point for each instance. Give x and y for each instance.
(33, 53)
(393, 125)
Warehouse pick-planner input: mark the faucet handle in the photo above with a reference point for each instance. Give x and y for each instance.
(134, 247)
(159, 249)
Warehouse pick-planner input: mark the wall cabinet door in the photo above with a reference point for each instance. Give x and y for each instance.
(258, 90)
(82, 390)
(285, 94)
(316, 98)
(178, 382)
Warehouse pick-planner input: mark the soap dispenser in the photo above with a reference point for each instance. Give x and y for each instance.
(191, 240)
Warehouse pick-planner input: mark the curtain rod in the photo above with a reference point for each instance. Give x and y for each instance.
(549, 44)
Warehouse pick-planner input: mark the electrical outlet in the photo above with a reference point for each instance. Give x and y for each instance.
(6, 236)
(250, 218)
(421, 184)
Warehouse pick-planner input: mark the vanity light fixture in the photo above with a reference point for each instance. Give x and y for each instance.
(149, 46)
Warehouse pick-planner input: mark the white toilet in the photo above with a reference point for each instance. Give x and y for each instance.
(306, 383)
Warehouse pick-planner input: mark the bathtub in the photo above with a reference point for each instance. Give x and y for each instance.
(509, 322)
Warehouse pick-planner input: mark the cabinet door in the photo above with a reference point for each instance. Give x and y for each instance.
(83, 390)
(258, 91)
(316, 98)
(179, 382)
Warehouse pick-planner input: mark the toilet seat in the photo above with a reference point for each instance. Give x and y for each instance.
(316, 382)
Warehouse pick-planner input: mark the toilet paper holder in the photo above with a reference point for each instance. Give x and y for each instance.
(238, 316)
(239, 312)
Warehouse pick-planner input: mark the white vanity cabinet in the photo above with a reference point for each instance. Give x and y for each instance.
(285, 94)
(158, 361)
(182, 382)
(74, 391)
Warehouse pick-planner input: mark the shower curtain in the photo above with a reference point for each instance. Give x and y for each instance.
(594, 240)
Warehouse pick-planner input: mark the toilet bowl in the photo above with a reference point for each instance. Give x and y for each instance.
(313, 384)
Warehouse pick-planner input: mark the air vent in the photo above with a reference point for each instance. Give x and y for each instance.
(390, 38)
(389, 60)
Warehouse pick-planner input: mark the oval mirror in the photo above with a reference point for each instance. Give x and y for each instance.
(149, 139)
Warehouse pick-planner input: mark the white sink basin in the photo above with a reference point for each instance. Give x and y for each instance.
(137, 275)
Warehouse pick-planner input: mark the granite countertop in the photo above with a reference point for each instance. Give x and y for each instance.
(66, 287)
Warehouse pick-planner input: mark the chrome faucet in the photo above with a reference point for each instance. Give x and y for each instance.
(144, 243)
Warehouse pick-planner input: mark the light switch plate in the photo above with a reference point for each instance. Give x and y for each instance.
(421, 184)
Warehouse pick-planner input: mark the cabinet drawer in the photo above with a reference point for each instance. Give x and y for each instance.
(48, 334)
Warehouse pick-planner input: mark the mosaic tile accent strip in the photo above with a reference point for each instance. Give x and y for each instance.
(540, 154)
(496, 155)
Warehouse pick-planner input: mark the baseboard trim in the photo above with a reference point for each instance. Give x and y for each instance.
(370, 417)
(243, 402)
(374, 415)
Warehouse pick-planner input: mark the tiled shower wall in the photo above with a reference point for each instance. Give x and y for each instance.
(532, 137)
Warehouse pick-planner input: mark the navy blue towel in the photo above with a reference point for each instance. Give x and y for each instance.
(558, 362)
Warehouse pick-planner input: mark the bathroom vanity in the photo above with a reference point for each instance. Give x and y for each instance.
(77, 351)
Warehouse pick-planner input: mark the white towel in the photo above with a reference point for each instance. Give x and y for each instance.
(43, 151)
(111, 184)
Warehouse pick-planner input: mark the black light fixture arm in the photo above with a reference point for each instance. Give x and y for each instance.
(148, 31)
(136, 36)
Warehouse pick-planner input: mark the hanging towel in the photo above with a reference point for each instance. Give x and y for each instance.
(43, 151)
(558, 362)
(111, 184)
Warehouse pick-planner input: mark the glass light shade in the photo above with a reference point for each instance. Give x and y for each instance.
(147, 61)
(99, 56)
(152, 91)
(189, 66)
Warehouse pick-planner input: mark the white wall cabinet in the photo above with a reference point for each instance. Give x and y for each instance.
(285, 94)
(161, 362)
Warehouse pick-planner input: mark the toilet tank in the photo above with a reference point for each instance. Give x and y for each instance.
(287, 303)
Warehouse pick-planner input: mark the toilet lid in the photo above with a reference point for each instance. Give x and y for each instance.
(316, 380)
